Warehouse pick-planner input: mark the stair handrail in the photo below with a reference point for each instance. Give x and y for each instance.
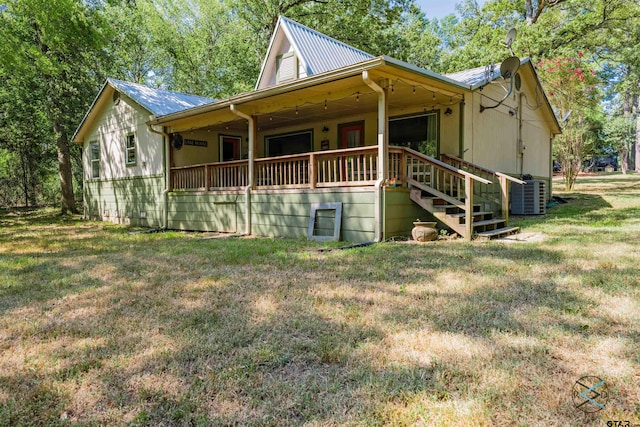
(483, 169)
(442, 165)
(503, 180)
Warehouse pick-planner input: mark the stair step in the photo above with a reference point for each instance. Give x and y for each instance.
(500, 232)
(462, 214)
(488, 222)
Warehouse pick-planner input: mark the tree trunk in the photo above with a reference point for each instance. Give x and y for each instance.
(64, 172)
(636, 150)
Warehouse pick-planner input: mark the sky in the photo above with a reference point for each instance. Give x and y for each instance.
(440, 8)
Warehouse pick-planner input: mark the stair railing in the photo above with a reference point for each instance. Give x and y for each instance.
(443, 181)
(498, 192)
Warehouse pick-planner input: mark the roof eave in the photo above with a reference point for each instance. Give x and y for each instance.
(86, 116)
(427, 73)
(273, 90)
(266, 57)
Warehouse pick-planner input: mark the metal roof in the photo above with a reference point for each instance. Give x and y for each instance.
(319, 52)
(159, 102)
(476, 77)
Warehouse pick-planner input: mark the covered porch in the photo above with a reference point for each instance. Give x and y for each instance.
(340, 137)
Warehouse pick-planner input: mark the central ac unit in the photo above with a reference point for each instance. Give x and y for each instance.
(528, 199)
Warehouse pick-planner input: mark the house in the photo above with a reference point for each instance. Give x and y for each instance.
(333, 142)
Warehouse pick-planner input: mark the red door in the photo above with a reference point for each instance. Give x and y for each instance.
(352, 135)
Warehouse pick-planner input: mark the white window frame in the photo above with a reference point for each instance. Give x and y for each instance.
(133, 148)
(94, 173)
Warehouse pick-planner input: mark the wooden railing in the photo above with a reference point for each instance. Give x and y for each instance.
(189, 178)
(229, 175)
(452, 184)
(283, 171)
(346, 167)
(496, 193)
(211, 176)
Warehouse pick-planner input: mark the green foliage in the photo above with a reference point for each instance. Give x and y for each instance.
(572, 87)
(51, 65)
(56, 54)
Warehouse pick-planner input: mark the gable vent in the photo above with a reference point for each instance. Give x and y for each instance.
(288, 68)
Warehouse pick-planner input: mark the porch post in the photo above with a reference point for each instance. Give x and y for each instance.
(250, 164)
(383, 152)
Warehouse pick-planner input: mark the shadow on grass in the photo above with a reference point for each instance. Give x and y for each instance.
(163, 329)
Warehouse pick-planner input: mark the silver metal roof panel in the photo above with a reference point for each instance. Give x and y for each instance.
(319, 52)
(159, 102)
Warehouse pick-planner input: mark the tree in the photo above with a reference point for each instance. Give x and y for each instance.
(55, 46)
(571, 86)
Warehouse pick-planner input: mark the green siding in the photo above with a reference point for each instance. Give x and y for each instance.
(207, 212)
(284, 214)
(287, 214)
(400, 212)
(125, 200)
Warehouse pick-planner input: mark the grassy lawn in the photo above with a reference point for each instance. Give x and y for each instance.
(99, 326)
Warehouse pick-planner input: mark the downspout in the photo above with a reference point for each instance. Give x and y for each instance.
(250, 160)
(461, 149)
(521, 146)
(383, 154)
(166, 172)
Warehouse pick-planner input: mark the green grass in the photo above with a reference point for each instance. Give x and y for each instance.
(99, 326)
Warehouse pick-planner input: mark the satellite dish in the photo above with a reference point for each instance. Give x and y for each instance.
(511, 37)
(509, 67)
(508, 70)
(176, 141)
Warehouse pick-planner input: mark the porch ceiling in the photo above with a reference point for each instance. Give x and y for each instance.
(324, 102)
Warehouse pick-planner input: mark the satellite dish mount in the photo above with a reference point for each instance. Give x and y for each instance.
(508, 68)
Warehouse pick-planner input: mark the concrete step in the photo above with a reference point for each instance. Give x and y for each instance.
(497, 233)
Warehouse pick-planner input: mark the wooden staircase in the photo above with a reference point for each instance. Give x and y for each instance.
(484, 225)
(447, 191)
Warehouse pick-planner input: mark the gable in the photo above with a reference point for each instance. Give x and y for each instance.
(156, 102)
(296, 51)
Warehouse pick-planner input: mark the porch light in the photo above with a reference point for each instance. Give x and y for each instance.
(448, 111)
(325, 104)
(414, 90)
(297, 110)
(434, 97)
(357, 96)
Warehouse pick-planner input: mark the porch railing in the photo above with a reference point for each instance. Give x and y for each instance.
(211, 176)
(496, 193)
(342, 168)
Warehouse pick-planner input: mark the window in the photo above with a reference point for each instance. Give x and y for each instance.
(419, 133)
(230, 148)
(287, 68)
(94, 157)
(290, 143)
(130, 149)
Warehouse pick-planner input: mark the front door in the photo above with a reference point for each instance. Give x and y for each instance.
(351, 135)
(229, 148)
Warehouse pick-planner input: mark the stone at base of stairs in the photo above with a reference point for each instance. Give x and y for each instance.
(530, 237)
(497, 233)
